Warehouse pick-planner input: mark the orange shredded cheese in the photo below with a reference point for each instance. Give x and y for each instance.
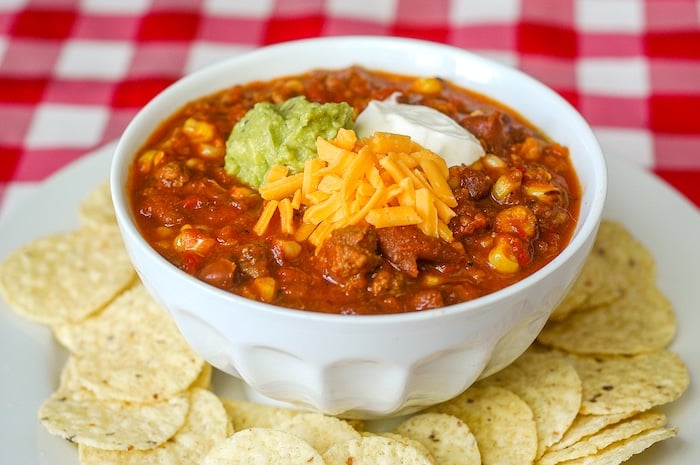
(385, 180)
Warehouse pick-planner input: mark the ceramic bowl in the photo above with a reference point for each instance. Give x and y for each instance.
(366, 366)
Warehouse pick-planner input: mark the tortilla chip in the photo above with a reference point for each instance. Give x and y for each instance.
(590, 445)
(206, 425)
(133, 351)
(262, 446)
(550, 385)
(617, 262)
(621, 451)
(113, 425)
(244, 414)
(447, 438)
(65, 277)
(371, 450)
(642, 320)
(629, 384)
(502, 423)
(585, 425)
(96, 209)
(408, 441)
(319, 430)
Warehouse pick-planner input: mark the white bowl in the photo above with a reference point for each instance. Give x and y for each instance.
(366, 366)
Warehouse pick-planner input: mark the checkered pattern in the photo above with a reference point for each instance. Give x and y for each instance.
(73, 72)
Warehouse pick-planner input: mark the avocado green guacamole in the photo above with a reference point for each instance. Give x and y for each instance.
(282, 134)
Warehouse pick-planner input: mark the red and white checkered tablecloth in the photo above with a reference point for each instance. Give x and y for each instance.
(73, 72)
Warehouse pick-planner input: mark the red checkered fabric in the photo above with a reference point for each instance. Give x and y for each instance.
(73, 72)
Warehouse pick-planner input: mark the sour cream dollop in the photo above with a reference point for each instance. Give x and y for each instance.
(428, 127)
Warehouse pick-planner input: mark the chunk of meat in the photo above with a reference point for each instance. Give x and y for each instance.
(476, 183)
(348, 252)
(404, 246)
(254, 260)
(489, 129)
(425, 299)
(172, 174)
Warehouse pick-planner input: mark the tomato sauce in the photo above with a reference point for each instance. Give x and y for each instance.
(516, 207)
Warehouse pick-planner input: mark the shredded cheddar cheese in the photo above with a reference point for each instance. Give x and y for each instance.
(385, 180)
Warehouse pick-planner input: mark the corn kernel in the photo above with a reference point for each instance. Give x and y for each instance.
(193, 240)
(240, 192)
(196, 164)
(501, 258)
(211, 150)
(506, 184)
(198, 131)
(428, 85)
(148, 159)
(492, 161)
(547, 193)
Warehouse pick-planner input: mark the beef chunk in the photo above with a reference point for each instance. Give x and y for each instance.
(403, 246)
(348, 252)
(425, 299)
(254, 260)
(476, 183)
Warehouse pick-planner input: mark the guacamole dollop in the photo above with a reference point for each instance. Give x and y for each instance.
(282, 134)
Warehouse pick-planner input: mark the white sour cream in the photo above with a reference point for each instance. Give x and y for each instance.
(426, 126)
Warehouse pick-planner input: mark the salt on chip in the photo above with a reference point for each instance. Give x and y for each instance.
(133, 351)
(65, 277)
(502, 423)
(629, 384)
(621, 451)
(319, 430)
(605, 437)
(113, 425)
(642, 320)
(447, 438)
(206, 425)
(372, 450)
(550, 385)
(262, 446)
(96, 208)
(617, 262)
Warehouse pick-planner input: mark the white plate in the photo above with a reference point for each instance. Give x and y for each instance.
(30, 361)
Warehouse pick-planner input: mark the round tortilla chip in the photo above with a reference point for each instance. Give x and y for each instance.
(502, 423)
(550, 385)
(206, 425)
(262, 446)
(592, 444)
(585, 425)
(65, 277)
(374, 449)
(642, 320)
(617, 261)
(245, 414)
(621, 451)
(408, 441)
(319, 430)
(629, 384)
(447, 438)
(133, 351)
(96, 209)
(113, 425)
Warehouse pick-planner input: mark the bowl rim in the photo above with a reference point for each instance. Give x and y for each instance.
(583, 230)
